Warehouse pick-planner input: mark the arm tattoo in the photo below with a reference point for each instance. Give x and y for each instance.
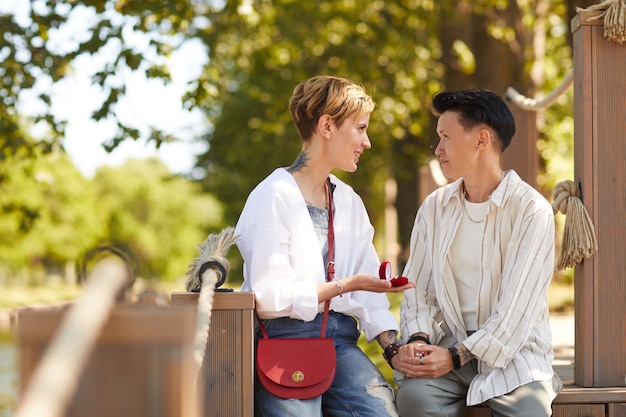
(299, 163)
(466, 355)
(386, 338)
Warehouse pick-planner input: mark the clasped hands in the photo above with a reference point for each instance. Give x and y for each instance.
(420, 360)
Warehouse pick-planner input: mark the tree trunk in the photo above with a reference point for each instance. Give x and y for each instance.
(407, 195)
(455, 27)
(406, 205)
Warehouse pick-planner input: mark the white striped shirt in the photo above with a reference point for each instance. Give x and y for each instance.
(513, 342)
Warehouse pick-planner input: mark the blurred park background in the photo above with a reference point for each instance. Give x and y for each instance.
(240, 61)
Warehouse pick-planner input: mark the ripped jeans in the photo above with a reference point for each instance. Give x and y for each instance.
(359, 388)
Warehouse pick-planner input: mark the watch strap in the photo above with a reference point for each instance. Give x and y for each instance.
(417, 337)
(391, 351)
(456, 358)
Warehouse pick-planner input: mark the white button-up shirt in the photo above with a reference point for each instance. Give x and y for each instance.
(513, 342)
(283, 262)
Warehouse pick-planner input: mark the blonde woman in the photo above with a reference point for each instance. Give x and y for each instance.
(284, 244)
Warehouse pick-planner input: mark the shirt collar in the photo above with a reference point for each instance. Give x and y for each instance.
(499, 196)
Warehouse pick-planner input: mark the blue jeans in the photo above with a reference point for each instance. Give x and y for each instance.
(359, 388)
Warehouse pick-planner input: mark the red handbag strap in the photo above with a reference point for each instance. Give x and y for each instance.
(330, 268)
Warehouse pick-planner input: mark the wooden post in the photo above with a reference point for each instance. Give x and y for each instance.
(141, 365)
(600, 169)
(228, 367)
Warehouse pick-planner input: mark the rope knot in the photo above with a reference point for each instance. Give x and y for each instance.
(579, 239)
(563, 191)
(613, 13)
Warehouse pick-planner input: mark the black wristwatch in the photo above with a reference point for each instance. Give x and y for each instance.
(417, 337)
(456, 359)
(391, 351)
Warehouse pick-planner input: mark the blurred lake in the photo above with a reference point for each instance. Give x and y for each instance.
(8, 374)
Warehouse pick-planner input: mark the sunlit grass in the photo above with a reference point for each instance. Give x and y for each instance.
(20, 296)
(561, 297)
(15, 296)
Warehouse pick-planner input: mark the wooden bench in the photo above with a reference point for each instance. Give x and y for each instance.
(575, 401)
(228, 369)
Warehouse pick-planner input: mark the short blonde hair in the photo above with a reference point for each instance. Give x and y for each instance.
(337, 97)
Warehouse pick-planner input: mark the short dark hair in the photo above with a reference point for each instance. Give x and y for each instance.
(478, 106)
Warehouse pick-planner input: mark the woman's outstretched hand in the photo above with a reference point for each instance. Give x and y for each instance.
(366, 282)
(358, 282)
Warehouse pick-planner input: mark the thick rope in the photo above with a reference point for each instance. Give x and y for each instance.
(614, 14)
(532, 104)
(213, 249)
(55, 379)
(579, 238)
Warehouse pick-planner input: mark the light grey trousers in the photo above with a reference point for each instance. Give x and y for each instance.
(445, 397)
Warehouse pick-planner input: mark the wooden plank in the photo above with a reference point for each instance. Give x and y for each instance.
(606, 86)
(583, 174)
(222, 365)
(247, 367)
(580, 395)
(221, 300)
(133, 370)
(617, 410)
(585, 410)
(228, 367)
(600, 288)
(128, 324)
(576, 401)
(479, 411)
(610, 88)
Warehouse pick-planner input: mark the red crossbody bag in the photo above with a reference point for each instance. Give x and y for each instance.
(300, 367)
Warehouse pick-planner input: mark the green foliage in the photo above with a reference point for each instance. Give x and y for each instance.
(402, 51)
(48, 214)
(257, 56)
(257, 53)
(157, 218)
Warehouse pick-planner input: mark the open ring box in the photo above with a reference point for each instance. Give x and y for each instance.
(384, 272)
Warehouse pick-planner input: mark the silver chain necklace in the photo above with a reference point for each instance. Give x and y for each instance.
(467, 214)
(465, 201)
